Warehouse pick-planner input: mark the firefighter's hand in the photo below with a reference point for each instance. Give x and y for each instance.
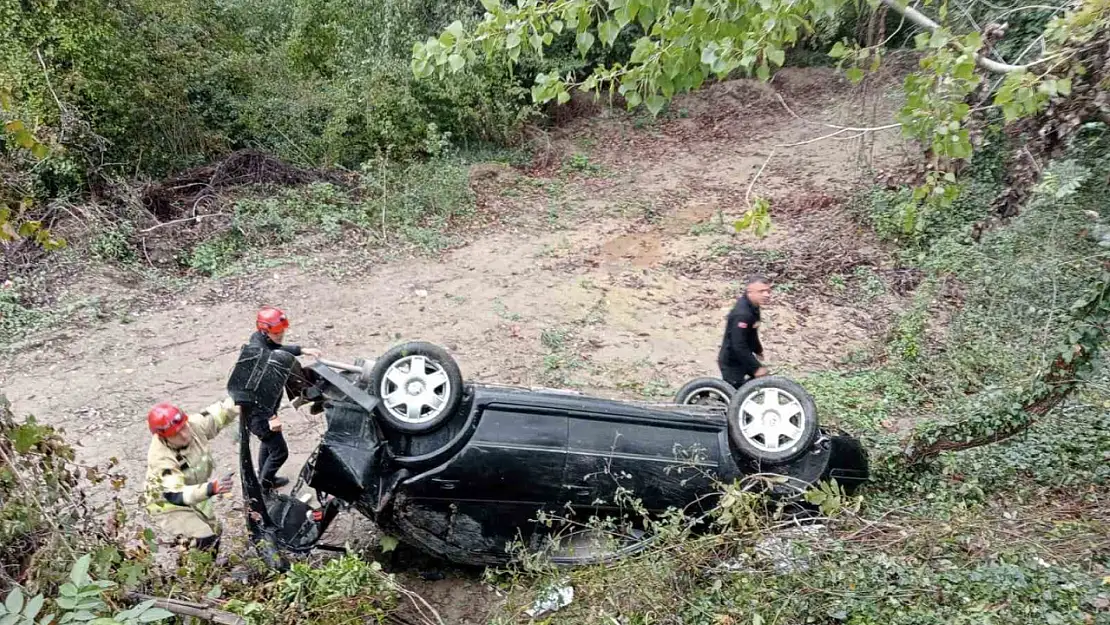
(311, 352)
(222, 485)
(760, 372)
(275, 425)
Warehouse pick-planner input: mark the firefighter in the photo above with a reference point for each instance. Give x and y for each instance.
(271, 324)
(741, 352)
(179, 478)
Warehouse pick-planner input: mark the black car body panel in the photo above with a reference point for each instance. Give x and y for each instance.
(466, 489)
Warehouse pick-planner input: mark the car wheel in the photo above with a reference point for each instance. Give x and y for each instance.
(705, 392)
(772, 420)
(419, 386)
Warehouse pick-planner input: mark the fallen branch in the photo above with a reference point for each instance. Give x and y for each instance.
(833, 126)
(184, 219)
(189, 608)
(751, 185)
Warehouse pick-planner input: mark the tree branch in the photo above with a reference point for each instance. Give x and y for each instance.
(184, 219)
(189, 608)
(990, 65)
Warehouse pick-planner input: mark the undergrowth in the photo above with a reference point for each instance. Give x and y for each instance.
(409, 204)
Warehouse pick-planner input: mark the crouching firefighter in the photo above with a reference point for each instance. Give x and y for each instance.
(180, 485)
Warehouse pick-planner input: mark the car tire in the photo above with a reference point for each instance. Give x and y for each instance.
(697, 391)
(760, 430)
(411, 401)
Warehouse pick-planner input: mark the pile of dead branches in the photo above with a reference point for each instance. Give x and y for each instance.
(190, 192)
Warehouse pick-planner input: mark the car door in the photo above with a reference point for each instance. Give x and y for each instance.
(516, 457)
(664, 461)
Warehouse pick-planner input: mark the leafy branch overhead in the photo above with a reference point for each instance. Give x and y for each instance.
(683, 45)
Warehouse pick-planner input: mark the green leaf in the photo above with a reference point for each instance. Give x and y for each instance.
(973, 41)
(557, 26)
(655, 103)
(79, 575)
(40, 151)
(585, 41)
(709, 54)
(1063, 86)
(633, 99)
(491, 5)
(778, 57)
(14, 603)
(456, 62)
(854, 74)
(66, 603)
(608, 31)
(34, 606)
(11, 619)
(563, 97)
(456, 29)
(14, 126)
(28, 228)
(155, 614)
(838, 50)
(24, 139)
(388, 543)
(513, 40)
(763, 72)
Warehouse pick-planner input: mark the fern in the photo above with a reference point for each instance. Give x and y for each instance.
(1063, 179)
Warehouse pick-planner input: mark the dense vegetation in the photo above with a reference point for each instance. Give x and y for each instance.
(1013, 529)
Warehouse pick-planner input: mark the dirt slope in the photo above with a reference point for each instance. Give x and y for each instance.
(616, 283)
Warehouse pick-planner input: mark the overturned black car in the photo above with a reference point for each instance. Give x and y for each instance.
(460, 470)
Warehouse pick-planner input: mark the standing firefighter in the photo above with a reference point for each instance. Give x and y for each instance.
(179, 471)
(741, 351)
(271, 324)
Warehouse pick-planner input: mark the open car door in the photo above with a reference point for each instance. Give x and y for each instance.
(276, 523)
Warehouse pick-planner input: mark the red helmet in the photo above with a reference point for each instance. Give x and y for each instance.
(165, 419)
(272, 320)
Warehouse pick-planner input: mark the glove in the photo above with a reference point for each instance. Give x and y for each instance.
(222, 485)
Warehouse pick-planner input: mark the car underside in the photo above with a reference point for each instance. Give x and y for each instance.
(464, 472)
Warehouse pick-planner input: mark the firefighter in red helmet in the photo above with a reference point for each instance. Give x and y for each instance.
(271, 324)
(179, 482)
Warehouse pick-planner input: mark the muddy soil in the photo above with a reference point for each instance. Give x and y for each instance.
(612, 275)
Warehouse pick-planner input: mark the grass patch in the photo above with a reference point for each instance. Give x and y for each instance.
(412, 204)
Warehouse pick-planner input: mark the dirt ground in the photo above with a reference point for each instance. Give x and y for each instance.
(616, 282)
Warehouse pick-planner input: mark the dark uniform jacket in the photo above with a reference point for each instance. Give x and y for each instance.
(261, 339)
(740, 344)
(260, 422)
